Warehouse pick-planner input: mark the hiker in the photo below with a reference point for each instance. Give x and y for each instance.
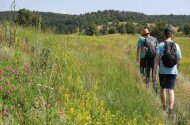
(149, 46)
(142, 54)
(168, 57)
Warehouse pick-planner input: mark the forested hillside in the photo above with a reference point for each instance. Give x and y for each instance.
(173, 19)
(68, 24)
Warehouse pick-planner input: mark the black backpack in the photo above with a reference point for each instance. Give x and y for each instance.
(150, 44)
(169, 58)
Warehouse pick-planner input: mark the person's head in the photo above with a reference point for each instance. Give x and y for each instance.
(168, 32)
(145, 32)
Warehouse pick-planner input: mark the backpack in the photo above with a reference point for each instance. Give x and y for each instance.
(150, 44)
(169, 58)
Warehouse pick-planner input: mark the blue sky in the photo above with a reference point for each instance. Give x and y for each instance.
(83, 6)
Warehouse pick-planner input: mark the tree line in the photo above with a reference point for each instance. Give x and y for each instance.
(96, 23)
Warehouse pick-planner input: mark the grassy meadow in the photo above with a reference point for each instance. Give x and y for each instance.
(71, 79)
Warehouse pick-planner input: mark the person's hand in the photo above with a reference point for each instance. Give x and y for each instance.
(137, 59)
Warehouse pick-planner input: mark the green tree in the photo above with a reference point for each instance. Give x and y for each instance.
(139, 28)
(36, 20)
(104, 30)
(158, 31)
(112, 30)
(121, 29)
(91, 30)
(27, 18)
(23, 18)
(130, 28)
(186, 29)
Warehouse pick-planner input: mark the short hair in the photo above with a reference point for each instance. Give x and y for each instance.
(168, 32)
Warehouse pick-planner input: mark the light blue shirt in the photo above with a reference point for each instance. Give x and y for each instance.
(140, 45)
(163, 69)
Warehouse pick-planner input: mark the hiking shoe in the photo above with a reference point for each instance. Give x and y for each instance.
(171, 114)
(147, 80)
(144, 79)
(171, 111)
(164, 107)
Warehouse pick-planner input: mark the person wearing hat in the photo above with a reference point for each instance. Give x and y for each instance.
(149, 47)
(141, 54)
(167, 73)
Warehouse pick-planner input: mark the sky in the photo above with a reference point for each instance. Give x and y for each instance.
(150, 7)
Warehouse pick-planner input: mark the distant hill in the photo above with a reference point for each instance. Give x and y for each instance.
(173, 19)
(65, 23)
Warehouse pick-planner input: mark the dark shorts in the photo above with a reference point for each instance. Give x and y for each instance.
(167, 81)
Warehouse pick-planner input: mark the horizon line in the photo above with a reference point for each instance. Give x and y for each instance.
(97, 11)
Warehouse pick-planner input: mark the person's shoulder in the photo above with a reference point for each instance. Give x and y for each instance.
(141, 38)
(176, 44)
(161, 44)
(152, 37)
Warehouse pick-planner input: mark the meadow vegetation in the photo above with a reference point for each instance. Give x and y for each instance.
(72, 79)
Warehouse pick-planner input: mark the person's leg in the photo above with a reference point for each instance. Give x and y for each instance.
(152, 70)
(155, 83)
(142, 66)
(142, 71)
(171, 112)
(163, 90)
(171, 96)
(149, 65)
(170, 80)
(148, 75)
(163, 97)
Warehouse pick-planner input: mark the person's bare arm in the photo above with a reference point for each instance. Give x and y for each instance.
(178, 63)
(138, 52)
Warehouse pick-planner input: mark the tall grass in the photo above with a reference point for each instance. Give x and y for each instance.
(57, 79)
(185, 62)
